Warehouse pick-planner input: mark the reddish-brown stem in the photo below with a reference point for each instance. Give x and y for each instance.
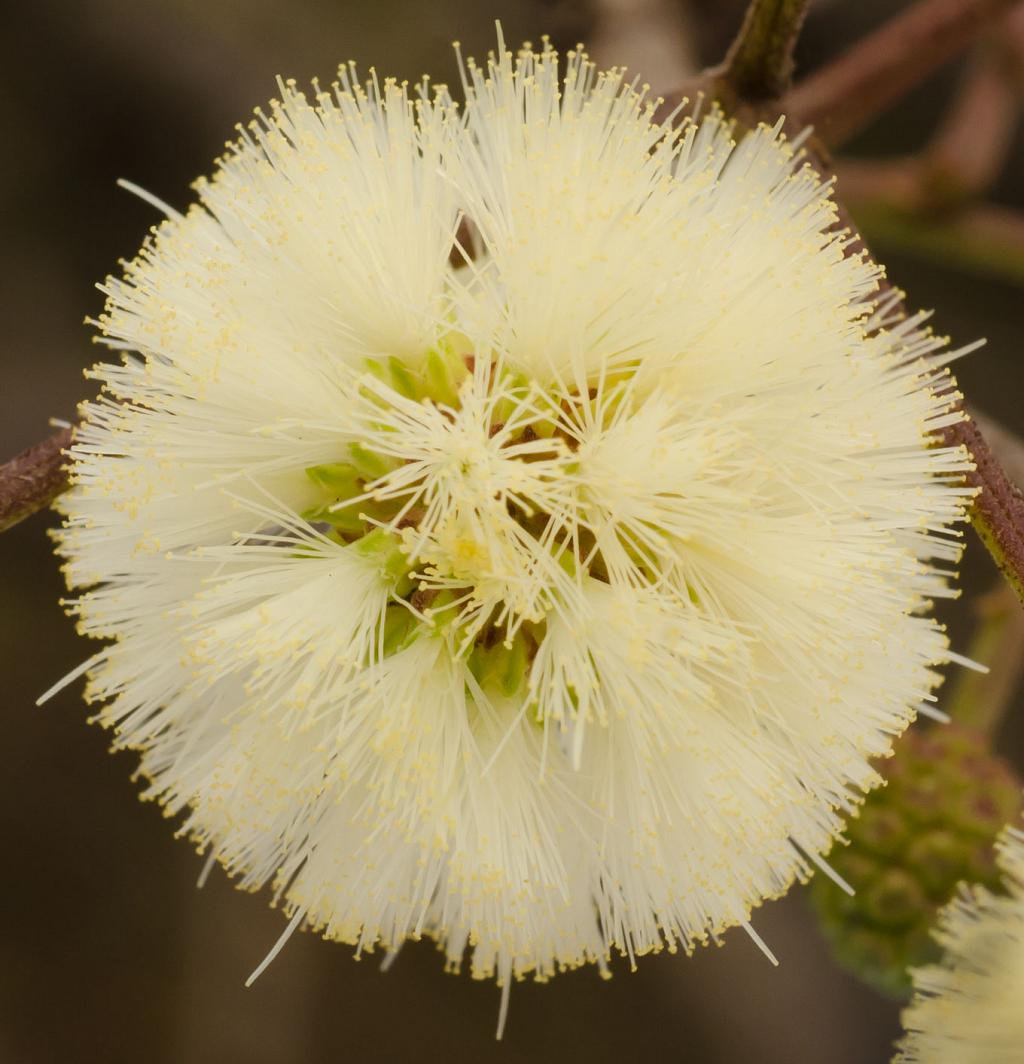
(1008, 446)
(998, 511)
(33, 479)
(849, 93)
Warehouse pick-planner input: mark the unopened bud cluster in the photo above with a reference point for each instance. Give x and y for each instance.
(932, 826)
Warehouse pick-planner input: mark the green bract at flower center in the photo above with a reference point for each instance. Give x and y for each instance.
(465, 490)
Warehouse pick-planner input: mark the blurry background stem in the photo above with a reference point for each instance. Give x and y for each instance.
(979, 700)
(845, 96)
(926, 203)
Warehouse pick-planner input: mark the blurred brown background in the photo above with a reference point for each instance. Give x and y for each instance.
(108, 953)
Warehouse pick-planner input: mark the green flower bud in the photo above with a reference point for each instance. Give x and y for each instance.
(400, 628)
(937, 858)
(882, 831)
(443, 375)
(502, 666)
(893, 899)
(385, 548)
(932, 826)
(368, 464)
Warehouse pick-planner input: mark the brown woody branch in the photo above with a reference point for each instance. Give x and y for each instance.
(33, 479)
(997, 513)
(1008, 446)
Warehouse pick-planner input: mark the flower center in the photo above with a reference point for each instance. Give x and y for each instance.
(464, 488)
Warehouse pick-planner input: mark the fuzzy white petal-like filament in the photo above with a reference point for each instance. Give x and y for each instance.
(551, 604)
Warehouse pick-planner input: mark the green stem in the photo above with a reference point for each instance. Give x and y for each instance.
(979, 700)
(759, 65)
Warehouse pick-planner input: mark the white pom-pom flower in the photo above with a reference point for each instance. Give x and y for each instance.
(967, 1009)
(513, 524)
